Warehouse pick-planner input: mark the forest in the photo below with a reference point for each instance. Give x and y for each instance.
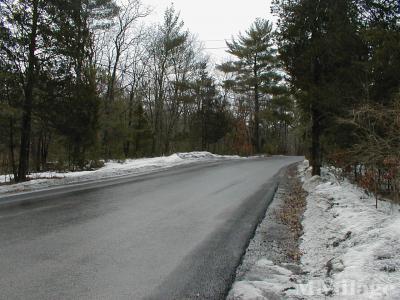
(86, 81)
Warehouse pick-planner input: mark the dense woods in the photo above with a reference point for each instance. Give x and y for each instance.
(343, 61)
(255, 78)
(83, 81)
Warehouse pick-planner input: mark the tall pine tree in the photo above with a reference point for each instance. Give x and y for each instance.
(321, 48)
(255, 68)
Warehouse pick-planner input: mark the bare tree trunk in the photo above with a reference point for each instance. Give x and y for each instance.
(37, 151)
(111, 85)
(316, 143)
(80, 44)
(159, 106)
(45, 151)
(127, 143)
(27, 106)
(204, 133)
(316, 122)
(256, 110)
(42, 150)
(12, 149)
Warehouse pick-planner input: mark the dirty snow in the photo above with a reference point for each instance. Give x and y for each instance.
(351, 250)
(110, 170)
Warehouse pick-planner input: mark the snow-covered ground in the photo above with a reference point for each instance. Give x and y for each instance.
(350, 249)
(111, 169)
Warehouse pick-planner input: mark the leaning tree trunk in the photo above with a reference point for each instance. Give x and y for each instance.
(27, 106)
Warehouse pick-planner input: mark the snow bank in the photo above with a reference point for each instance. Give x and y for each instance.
(111, 169)
(350, 249)
(267, 282)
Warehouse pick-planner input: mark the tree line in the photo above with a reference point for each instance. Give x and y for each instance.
(343, 60)
(83, 81)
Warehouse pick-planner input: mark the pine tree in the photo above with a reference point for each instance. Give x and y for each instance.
(22, 27)
(381, 32)
(211, 121)
(255, 68)
(10, 95)
(321, 48)
(76, 73)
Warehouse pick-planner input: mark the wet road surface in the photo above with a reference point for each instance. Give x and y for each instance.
(175, 234)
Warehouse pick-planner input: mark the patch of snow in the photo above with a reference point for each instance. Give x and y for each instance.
(111, 169)
(350, 249)
(203, 155)
(267, 282)
(348, 243)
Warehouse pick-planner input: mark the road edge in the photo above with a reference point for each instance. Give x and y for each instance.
(278, 177)
(225, 249)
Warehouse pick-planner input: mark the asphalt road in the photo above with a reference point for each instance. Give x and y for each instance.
(175, 234)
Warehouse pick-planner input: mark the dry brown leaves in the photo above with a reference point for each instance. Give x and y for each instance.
(291, 212)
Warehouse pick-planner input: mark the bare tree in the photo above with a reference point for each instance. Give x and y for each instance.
(123, 37)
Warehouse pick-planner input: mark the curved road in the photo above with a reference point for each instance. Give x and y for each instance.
(174, 234)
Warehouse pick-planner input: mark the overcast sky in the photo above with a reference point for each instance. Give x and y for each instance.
(213, 21)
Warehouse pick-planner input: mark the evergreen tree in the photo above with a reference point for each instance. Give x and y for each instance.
(321, 51)
(278, 118)
(75, 71)
(255, 68)
(381, 33)
(10, 95)
(23, 33)
(212, 120)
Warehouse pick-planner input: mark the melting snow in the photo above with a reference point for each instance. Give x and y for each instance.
(111, 169)
(351, 250)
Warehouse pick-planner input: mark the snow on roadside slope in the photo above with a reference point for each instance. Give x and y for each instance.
(351, 250)
(111, 169)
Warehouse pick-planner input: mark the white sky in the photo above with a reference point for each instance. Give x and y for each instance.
(213, 21)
